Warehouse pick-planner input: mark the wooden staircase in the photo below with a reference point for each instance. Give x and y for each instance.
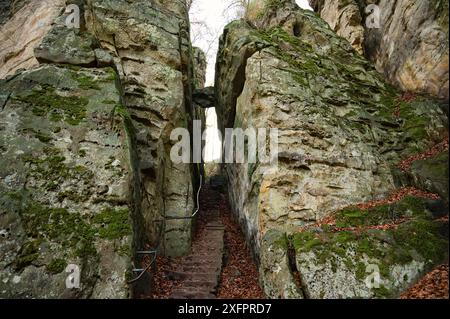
(199, 272)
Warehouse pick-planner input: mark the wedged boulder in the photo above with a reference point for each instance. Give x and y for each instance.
(205, 98)
(342, 130)
(65, 181)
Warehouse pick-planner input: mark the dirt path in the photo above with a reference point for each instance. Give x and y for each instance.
(239, 279)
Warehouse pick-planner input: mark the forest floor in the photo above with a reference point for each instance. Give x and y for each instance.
(239, 278)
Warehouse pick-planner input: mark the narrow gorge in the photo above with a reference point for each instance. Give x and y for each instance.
(93, 94)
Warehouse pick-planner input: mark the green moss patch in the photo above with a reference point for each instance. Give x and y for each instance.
(56, 266)
(306, 241)
(29, 252)
(86, 82)
(70, 230)
(47, 102)
(58, 225)
(354, 217)
(424, 237)
(53, 169)
(113, 223)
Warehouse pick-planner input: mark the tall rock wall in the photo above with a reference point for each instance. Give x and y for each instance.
(86, 176)
(411, 45)
(149, 43)
(342, 132)
(200, 65)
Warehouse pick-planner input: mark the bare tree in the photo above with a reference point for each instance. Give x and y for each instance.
(189, 4)
(202, 35)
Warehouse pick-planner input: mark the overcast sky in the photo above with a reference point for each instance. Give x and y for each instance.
(208, 18)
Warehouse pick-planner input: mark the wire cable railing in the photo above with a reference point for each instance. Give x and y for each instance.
(155, 252)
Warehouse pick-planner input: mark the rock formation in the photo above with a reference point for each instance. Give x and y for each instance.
(86, 175)
(409, 46)
(354, 207)
(16, 42)
(342, 132)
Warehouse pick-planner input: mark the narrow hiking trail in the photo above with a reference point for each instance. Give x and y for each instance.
(219, 265)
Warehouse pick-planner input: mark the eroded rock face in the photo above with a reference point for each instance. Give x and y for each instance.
(342, 130)
(200, 65)
(326, 258)
(411, 46)
(344, 17)
(64, 185)
(86, 141)
(199, 91)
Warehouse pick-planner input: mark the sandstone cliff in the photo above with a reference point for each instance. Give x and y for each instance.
(342, 132)
(16, 42)
(85, 118)
(87, 112)
(410, 45)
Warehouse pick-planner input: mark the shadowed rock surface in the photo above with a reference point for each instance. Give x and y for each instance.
(205, 98)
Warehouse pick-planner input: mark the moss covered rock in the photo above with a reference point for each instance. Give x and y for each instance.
(410, 46)
(276, 277)
(366, 262)
(432, 174)
(64, 187)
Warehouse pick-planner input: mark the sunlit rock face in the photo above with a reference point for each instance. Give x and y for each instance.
(85, 120)
(65, 185)
(342, 130)
(411, 45)
(21, 32)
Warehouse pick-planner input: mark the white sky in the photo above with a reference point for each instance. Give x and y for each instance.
(208, 19)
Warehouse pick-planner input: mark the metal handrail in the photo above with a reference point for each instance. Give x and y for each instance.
(143, 271)
(155, 252)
